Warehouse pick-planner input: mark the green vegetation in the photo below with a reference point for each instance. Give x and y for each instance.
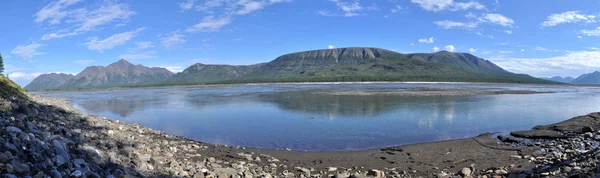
(1, 65)
(9, 89)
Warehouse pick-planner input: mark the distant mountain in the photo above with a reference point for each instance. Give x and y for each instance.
(203, 73)
(374, 64)
(49, 81)
(591, 78)
(464, 61)
(326, 65)
(121, 73)
(559, 79)
(310, 61)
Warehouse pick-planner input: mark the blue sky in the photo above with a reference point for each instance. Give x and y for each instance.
(536, 37)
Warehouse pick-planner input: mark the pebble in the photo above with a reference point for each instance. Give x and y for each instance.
(465, 172)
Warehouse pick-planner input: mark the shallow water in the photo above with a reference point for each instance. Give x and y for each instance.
(306, 117)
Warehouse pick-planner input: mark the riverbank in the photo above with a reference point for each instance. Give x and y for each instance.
(47, 137)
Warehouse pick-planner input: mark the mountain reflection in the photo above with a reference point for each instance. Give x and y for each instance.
(123, 107)
(349, 105)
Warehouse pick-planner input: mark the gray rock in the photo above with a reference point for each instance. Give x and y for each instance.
(8, 176)
(465, 172)
(20, 168)
(55, 174)
(5, 157)
(375, 173)
(76, 173)
(58, 160)
(225, 172)
(61, 149)
(12, 129)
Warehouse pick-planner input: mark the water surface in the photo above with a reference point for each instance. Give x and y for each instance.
(306, 117)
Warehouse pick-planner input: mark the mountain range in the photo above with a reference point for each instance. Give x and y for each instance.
(585, 79)
(559, 79)
(327, 65)
(591, 78)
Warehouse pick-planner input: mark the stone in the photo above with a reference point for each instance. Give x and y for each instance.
(55, 174)
(20, 168)
(516, 156)
(8, 176)
(332, 169)
(76, 173)
(375, 173)
(12, 129)
(211, 159)
(5, 157)
(58, 160)
(61, 149)
(225, 172)
(501, 172)
(465, 172)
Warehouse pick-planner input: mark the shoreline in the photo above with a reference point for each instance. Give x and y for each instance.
(87, 145)
(311, 83)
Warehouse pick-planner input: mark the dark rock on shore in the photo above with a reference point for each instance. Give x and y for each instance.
(538, 134)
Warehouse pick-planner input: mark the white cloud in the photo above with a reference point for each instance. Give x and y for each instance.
(440, 5)
(171, 40)
(568, 17)
(508, 31)
(112, 41)
(471, 50)
(435, 49)
(540, 49)
(27, 51)
(174, 69)
(397, 9)
(580, 37)
(522, 50)
(467, 5)
(249, 6)
(210, 24)
(497, 19)
(427, 40)
(189, 4)
(24, 76)
(54, 12)
(449, 48)
(447, 24)
(350, 8)
(227, 10)
(144, 45)
(330, 47)
(81, 19)
(592, 32)
(571, 64)
(83, 62)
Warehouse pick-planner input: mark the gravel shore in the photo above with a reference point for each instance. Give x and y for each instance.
(45, 137)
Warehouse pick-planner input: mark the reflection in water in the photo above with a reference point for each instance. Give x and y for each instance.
(304, 117)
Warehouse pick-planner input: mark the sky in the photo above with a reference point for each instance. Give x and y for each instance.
(542, 38)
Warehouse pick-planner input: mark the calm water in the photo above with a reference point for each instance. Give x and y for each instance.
(303, 117)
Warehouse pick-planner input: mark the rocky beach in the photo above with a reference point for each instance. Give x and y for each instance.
(46, 137)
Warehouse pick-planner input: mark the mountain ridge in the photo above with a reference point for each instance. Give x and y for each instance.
(590, 78)
(120, 73)
(323, 65)
(49, 81)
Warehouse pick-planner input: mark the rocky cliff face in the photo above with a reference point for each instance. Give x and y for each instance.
(121, 73)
